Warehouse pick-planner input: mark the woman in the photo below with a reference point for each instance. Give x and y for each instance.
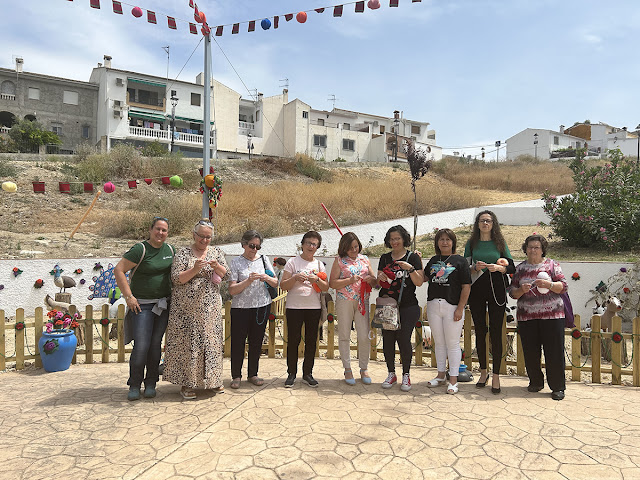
(490, 259)
(194, 344)
(147, 296)
(250, 306)
(301, 274)
(449, 286)
(351, 274)
(537, 285)
(395, 268)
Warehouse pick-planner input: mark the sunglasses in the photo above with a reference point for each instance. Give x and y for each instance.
(162, 219)
(205, 222)
(253, 246)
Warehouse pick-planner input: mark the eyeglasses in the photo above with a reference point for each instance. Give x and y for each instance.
(485, 220)
(535, 247)
(204, 237)
(254, 246)
(310, 244)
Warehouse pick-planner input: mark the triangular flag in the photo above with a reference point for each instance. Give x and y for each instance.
(359, 7)
(288, 16)
(235, 29)
(393, 3)
(95, 3)
(276, 19)
(319, 10)
(252, 25)
(151, 16)
(172, 23)
(337, 11)
(192, 28)
(191, 3)
(416, 1)
(219, 30)
(117, 7)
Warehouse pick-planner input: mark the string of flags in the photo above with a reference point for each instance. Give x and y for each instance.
(265, 23)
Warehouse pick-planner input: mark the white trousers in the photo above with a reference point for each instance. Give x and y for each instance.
(347, 310)
(446, 334)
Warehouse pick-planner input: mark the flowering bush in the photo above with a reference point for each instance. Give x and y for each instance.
(605, 210)
(59, 320)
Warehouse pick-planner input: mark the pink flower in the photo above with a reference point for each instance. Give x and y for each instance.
(49, 327)
(604, 238)
(602, 229)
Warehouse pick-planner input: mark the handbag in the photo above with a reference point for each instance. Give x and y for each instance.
(569, 317)
(387, 314)
(273, 291)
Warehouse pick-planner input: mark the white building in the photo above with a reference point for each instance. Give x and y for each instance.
(548, 141)
(601, 137)
(136, 108)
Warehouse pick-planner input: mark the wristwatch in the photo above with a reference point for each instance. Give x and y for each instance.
(411, 270)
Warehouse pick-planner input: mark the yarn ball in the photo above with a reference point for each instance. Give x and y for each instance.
(301, 17)
(544, 276)
(373, 4)
(109, 187)
(265, 24)
(176, 181)
(136, 12)
(9, 187)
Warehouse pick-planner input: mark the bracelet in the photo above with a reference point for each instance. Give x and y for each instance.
(127, 297)
(412, 269)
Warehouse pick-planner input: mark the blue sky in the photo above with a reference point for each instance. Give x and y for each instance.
(477, 70)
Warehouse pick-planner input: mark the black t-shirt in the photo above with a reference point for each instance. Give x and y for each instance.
(446, 275)
(409, 292)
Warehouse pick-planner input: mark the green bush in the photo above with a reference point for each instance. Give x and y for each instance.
(155, 149)
(307, 166)
(605, 210)
(340, 159)
(6, 169)
(27, 136)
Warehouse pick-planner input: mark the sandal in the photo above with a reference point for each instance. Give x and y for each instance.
(219, 389)
(349, 381)
(436, 382)
(452, 389)
(187, 393)
(256, 380)
(235, 383)
(364, 375)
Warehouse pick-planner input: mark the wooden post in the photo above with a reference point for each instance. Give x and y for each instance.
(468, 348)
(271, 348)
(20, 340)
(88, 334)
(227, 328)
(373, 350)
(418, 332)
(120, 323)
(72, 310)
(576, 353)
(505, 350)
(331, 331)
(635, 349)
(616, 352)
(596, 347)
(105, 335)
(38, 328)
(3, 349)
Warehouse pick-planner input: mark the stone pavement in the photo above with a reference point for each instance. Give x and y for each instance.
(78, 424)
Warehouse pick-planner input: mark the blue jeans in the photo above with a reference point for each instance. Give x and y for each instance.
(148, 330)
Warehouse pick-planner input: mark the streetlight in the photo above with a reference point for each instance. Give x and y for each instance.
(174, 102)
(482, 149)
(396, 123)
(535, 144)
(638, 135)
(249, 144)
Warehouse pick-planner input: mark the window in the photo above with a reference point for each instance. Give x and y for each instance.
(242, 117)
(70, 98)
(381, 128)
(257, 115)
(346, 126)
(34, 93)
(348, 144)
(195, 99)
(556, 140)
(415, 129)
(85, 131)
(578, 145)
(320, 141)
(305, 114)
(321, 122)
(57, 129)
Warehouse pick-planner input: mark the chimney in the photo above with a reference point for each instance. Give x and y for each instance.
(561, 129)
(107, 61)
(19, 63)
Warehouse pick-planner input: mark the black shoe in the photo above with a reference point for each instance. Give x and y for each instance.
(290, 379)
(534, 388)
(149, 391)
(309, 380)
(495, 391)
(559, 395)
(482, 384)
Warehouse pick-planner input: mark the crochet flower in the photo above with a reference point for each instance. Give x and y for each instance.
(575, 276)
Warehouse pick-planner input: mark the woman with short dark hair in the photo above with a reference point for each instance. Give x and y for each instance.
(351, 274)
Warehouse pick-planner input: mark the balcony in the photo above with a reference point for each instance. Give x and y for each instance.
(4, 129)
(7, 96)
(164, 136)
(246, 127)
(143, 101)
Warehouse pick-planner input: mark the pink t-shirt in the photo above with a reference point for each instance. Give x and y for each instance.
(302, 295)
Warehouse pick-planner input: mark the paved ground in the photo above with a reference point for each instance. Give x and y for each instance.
(78, 425)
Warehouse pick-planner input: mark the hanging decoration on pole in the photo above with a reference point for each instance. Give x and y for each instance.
(419, 165)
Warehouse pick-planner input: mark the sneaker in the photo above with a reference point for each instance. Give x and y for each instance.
(290, 379)
(390, 381)
(406, 383)
(559, 395)
(309, 380)
(134, 394)
(149, 391)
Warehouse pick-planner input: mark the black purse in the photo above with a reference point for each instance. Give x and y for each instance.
(273, 291)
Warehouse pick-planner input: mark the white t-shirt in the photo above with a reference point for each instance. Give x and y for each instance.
(256, 294)
(302, 296)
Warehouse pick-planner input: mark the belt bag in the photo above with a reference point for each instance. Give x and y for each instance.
(387, 315)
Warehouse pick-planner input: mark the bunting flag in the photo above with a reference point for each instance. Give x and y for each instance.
(192, 28)
(219, 30)
(151, 16)
(191, 3)
(95, 3)
(288, 16)
(252, 26)
(276, 19)
(117, 7)
(172, 23)
(416, 1)
(359, 7)
(319, 10)
(393, 3)
(235, 29)
(337, 11)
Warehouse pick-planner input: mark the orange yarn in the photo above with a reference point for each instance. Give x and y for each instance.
(321, 276)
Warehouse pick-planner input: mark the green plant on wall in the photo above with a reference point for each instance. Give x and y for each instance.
(28, 136)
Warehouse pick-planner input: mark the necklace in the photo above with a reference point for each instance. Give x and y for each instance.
(445, 260)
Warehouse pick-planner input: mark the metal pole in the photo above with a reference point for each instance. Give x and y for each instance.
(173, 123)
(498, 154)
(207, 123)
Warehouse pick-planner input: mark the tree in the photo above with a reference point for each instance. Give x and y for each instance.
(27, 136)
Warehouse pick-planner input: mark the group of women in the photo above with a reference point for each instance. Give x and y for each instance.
(180, 292)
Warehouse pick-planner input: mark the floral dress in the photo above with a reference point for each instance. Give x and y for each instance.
(195, 333)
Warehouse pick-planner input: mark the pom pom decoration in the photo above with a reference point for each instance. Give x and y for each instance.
(623, 269)
(136, 12)
(265, 24)
(575, 276)
(38, 283)
(9, 187)
(616, 337)
(321, 276)
(104, 321)
(330, 318)
(176, 181)
(373, 4)
(272, 317)
(16, 271)
(214, 192)
(19, 325)
(210, 181)
(301, 17)
(109, 187)
(575, 333)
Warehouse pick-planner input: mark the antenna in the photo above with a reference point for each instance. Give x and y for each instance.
(332, 98)
(285, 83)
(166, 49)
(254, 93)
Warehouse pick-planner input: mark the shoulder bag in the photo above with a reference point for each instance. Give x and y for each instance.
(273, 291)
(387, 314)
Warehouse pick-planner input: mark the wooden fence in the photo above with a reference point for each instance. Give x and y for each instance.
(576, 362)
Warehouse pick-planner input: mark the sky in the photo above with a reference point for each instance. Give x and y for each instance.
(477, 70)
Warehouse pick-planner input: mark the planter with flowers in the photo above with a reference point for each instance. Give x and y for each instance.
(58, 342)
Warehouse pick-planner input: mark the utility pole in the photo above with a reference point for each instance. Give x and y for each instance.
(498, 150)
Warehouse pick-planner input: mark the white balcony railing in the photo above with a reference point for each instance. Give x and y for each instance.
(246, 126)
(164, 136)
(7, 96)
(4, 129)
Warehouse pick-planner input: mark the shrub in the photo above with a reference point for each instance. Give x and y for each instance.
(155, 149)
(307, 167)
(605, 210)
(6, 169)
(28, 136)
(340, 159)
